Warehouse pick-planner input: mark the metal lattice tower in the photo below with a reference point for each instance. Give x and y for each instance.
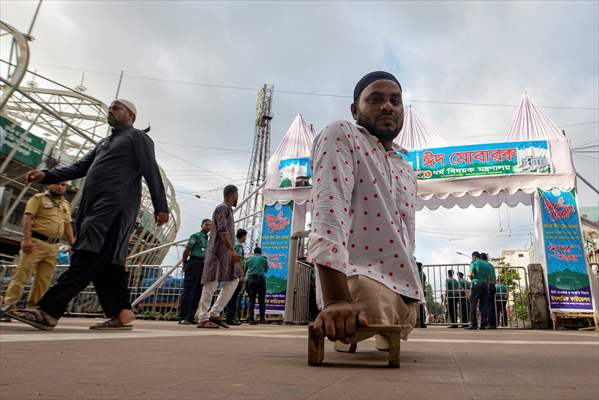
(69, 123)
(253, 201)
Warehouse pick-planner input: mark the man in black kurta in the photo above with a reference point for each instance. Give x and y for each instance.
(109, 206)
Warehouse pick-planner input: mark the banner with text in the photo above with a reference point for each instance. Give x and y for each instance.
(275, 242)
(567, 274)
(530, 157)
(30, 151)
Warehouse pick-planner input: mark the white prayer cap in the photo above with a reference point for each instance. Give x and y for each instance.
(130, 106)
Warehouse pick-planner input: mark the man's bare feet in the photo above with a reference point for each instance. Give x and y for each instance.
(126, 316)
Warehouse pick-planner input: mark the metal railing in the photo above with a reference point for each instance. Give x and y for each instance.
(512, 309)
(300, 304)
(304, 289)
(161, 304)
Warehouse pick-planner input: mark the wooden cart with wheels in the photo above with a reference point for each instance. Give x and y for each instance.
(393, 332)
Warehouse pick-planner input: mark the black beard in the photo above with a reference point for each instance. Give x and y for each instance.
(382, 136)
(116, 125)
(55, 194)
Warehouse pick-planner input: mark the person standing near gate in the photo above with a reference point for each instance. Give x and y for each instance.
(452, 290)
(46, 220)
(232, 308)
(256, 269)
(109, 206)
(479, 275)
(501, 299)
(363, 227)
(422, 307)
(465, 287)
(491, 322)
(193, 261)
(222, 264)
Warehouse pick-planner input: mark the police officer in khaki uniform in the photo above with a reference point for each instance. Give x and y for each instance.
(46, 219)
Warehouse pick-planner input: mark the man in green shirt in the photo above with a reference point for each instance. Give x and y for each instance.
(452, 290)
(465, 288)
(422, 307)
(256, 268)
(491, 321)
(193, 266)
(501, 298)
(479, 275)
(232, 308)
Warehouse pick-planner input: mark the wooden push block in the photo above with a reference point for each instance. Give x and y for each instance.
(393, 332)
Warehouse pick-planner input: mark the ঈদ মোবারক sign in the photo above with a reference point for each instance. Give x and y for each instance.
(529, 157)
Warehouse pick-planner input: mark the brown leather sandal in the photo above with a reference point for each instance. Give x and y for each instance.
(113, 324)
(207, 325)
(32, 317)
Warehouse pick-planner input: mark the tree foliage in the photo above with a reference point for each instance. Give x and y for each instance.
(507, 275)
(433, 307)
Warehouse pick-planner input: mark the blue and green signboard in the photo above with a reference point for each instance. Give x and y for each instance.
(275, 242)
(567, 274)
(528, 157)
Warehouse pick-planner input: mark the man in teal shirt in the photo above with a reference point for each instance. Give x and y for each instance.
(491, 321)
(465, 288)
(479, 275)
(193, 266)
(256, 268)
(232, 308)
(502, 298)
(452, 289)
(422, 307)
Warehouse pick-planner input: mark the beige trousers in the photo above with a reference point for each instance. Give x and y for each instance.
(41, 263)
(381, 305)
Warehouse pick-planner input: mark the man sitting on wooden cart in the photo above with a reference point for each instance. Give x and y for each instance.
(362, 236)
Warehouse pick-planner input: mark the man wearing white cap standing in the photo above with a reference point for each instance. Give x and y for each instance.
(109, 205)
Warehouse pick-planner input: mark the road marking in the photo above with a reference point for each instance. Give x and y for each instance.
(140, 333)
(517, 342)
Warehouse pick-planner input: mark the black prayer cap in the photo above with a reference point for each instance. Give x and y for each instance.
(371, 77)
(229, 190)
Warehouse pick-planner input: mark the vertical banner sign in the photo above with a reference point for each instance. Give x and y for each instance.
(567, 273)
(275, 242)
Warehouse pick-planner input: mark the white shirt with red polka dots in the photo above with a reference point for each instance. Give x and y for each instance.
(363, 209)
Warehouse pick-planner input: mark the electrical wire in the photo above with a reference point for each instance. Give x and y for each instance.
(202, 147)
(192, 164)
(302, 93)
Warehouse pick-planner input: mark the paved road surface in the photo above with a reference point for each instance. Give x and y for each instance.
(162, 360)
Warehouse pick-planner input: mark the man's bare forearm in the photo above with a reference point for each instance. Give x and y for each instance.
(334, 285)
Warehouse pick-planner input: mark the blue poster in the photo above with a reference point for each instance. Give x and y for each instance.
(529, 157)
(567, 274)
(275, 242)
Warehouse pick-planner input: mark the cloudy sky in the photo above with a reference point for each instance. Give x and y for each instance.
(442, 52)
